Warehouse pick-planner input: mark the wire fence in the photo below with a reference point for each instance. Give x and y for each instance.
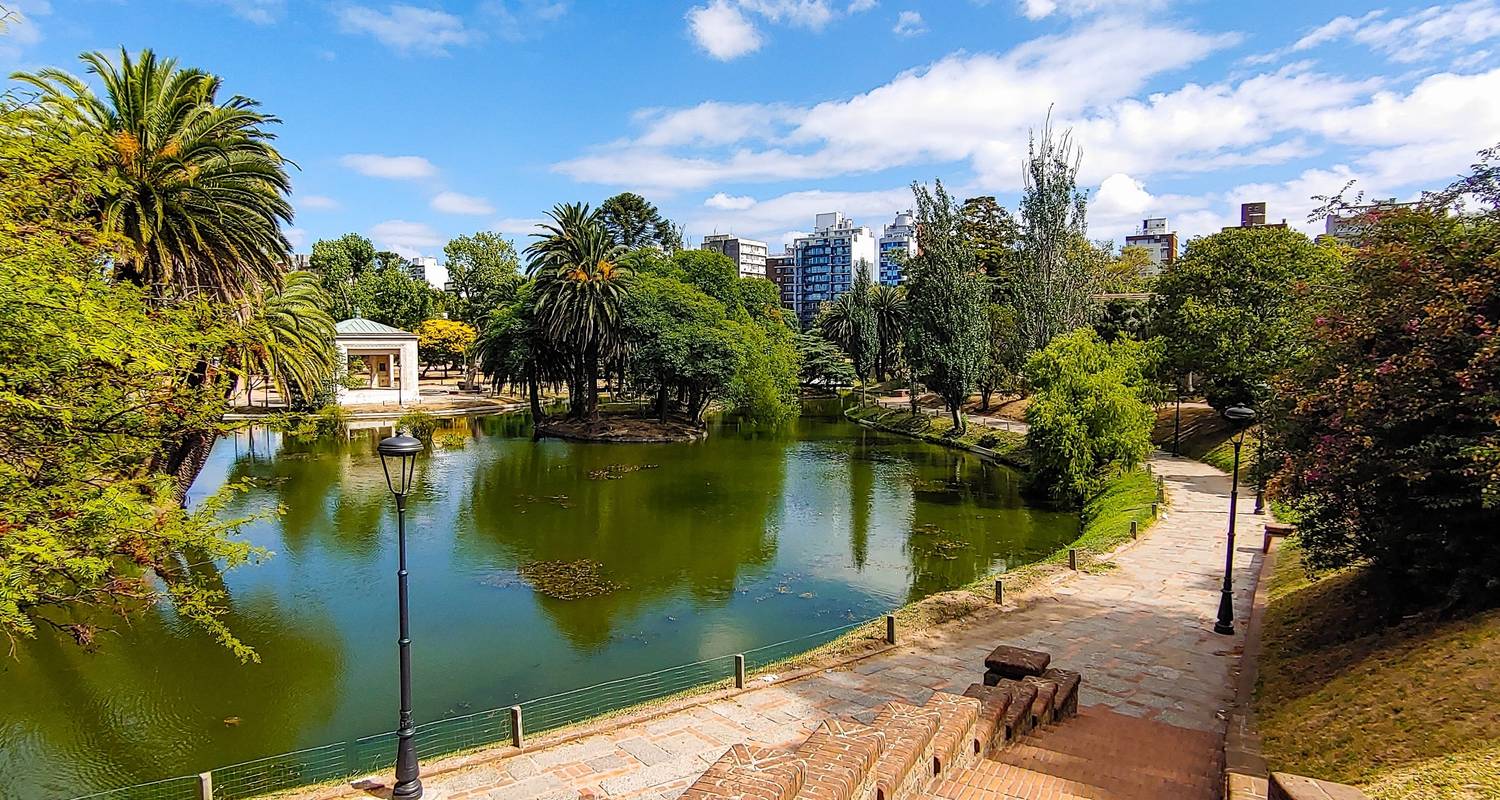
(443, 737)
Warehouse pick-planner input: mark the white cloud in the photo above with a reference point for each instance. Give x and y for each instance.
(722, 31)
(517, 226)
(861, 6)
(516, 20)
(811, 14)
(964, 106)
(407, 29)
(394, 167)
(407, 238)
(260, 12)
(909, 23)
(1432, 32)
(455, 203)
(770, 219)
(296, 236)
(729, 202)
(1040, 9)
(21, 30)
(317, 202)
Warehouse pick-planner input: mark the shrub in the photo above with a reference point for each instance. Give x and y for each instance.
(1089, 417)
(1391, 427)
(418, 423)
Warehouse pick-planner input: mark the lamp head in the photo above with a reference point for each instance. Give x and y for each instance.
(400, 450)
(1239, 416)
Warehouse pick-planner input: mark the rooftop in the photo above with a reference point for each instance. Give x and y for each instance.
(359, 326)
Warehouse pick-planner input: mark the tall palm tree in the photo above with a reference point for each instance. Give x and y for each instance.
(289, 337)
(201, 191)
(889, 305)
(580, 290)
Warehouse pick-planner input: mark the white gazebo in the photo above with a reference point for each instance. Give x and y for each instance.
(383, 358)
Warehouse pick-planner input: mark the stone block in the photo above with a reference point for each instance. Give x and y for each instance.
(1296, 787)
(750, 772)
(1068, 683)
(1016, 662)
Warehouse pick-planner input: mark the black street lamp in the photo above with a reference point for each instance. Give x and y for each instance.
(401, 451)
(1240, 418)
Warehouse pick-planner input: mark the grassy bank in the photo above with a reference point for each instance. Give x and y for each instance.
(1008, 447)
(1355, 689)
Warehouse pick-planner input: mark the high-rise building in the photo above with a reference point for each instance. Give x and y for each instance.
(781, 268)
(899, 236)
(427, 268)
(826, 260)
(1158, 241)
(1253, 215)
(302, 261)
(1349, 225)
(748, 255)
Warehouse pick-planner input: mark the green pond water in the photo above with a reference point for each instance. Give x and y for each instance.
(751, 537)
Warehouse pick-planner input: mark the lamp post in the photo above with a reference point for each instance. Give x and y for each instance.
(401, 452)
(1240, 417)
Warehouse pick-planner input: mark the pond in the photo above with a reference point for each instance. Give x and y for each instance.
(748, 538)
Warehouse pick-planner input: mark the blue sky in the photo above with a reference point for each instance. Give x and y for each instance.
(414, 122)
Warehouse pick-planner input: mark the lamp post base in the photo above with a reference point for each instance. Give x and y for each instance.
(1225, 624)
(407, 791)
(1224, 628)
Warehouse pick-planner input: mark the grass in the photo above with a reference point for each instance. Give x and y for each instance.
(1353, 690)
(1008, 446)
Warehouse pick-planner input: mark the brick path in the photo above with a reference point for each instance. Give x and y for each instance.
(1141, 634)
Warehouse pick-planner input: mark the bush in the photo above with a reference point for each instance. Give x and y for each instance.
(418, 423)
(1089, 417)
(1391, 427)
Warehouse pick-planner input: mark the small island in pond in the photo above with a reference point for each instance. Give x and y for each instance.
(622, 428)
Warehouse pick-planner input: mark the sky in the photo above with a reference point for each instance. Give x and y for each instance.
(416, 121)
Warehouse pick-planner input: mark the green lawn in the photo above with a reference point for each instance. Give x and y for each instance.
(1355, 689)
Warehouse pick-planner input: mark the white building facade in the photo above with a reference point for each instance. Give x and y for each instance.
(826, 260)
(898, 240)
(427, 268)
(748, 255)
(383, 358)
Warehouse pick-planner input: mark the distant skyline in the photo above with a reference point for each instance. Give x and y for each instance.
(414, 122)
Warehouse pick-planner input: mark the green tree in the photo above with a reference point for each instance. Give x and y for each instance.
(948, 333)
(680, 344)
(992, 233)
(390, 295)
(289, 339)
(822, 363)
(632, 221)
(339, 263)
(97, 381)
(1124, 318)
(483, 272)
(1130, 271)
(198, 190)
(1089, 416)
(513, 348)
(1229, 308)
(765, 386)
(1056, 273)
(1003, 362)
(386, 259)
(579, 294)
(1389, 418)
(888, 303)
(849, 322)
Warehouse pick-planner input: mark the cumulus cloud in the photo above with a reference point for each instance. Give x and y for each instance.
(407, 238)
(1040, 9)
(455, 203)
(517, 226)
(722, 30)
(1430, 33)
(909, 23)
(260, 12)
(393, 167)
(407, 29)
(729, 202)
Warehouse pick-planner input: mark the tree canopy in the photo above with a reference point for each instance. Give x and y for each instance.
(483, 272)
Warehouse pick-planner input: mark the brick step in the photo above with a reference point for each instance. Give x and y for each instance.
(905, 764)
(1103, 770)
(1096, 727)
(991, 780)
(838, 761)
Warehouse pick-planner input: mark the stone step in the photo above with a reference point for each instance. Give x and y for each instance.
(905, 764)
(956, 745)
(838, 761)
(990, 729)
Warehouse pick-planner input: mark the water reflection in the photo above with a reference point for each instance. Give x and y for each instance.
(751, 537)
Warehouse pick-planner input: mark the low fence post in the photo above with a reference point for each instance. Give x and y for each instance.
(1072, 558)
(517, 737)
(1132, 529)
(739, 671)
(890, 628)
(205, 786)
(999, 592)
(1153, 510)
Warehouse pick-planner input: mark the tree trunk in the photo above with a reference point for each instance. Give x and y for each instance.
(911, 391)
(984, 398)
(534, 388)
(959, 427)
(661, 403)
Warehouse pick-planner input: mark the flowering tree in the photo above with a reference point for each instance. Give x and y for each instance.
(1391, 426)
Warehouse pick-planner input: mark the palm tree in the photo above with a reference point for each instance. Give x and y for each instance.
(199, 191)
(580, 290)
(889, 305)
(289, 337)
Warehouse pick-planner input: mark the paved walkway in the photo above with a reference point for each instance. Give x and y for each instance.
(1141, 634)
(993, 421)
